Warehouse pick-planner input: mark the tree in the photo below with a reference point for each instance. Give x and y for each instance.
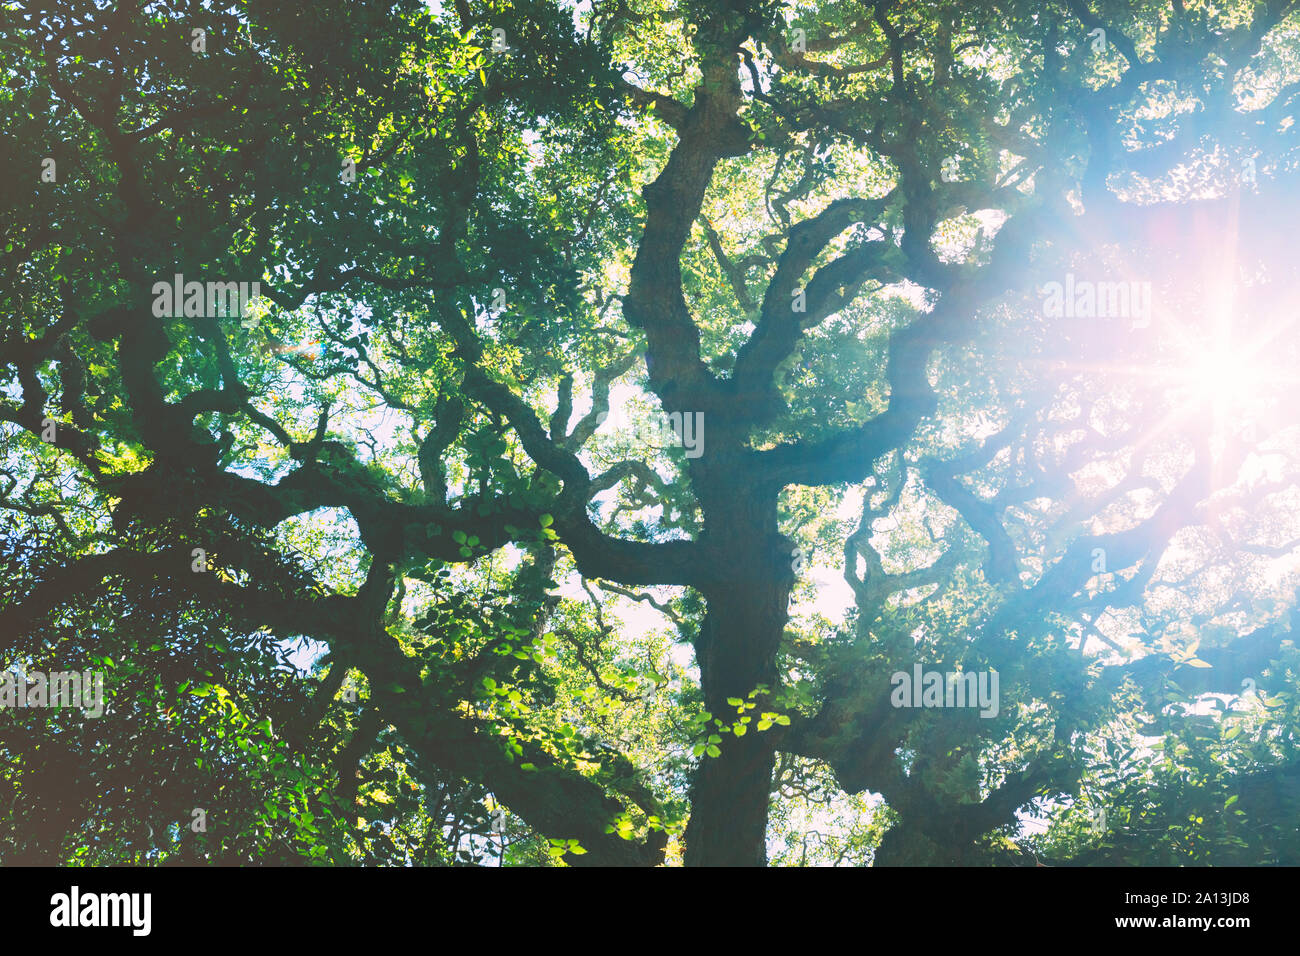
(1006, 284)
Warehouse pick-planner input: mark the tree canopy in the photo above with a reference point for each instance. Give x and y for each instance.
(526, 433)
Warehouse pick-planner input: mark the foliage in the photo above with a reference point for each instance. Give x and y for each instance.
(399, 566)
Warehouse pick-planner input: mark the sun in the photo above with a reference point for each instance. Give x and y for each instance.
(1222, 377)
(1230, 387)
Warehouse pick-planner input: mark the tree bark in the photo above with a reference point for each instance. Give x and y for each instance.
(748, 596)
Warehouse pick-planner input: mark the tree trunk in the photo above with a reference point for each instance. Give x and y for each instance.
(748, 605)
